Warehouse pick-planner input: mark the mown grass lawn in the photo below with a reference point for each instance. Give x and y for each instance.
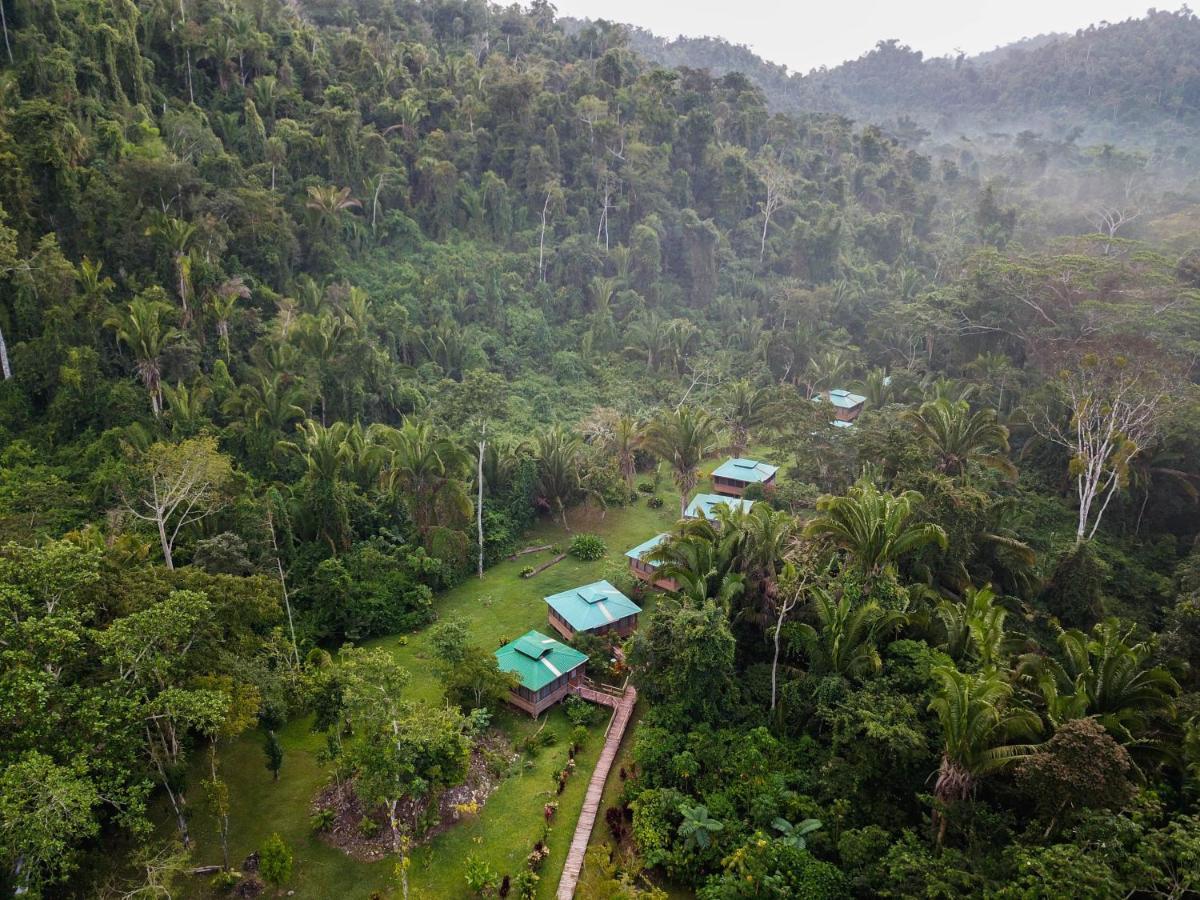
(499, 607)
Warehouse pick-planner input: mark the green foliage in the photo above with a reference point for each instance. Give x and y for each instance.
(580, 712)
(450, 640)
(232, 237)
(476, 682)
(275, 861)
(683, 656)
(274, 753)
(482, 880)
(46, 810)
(875, 528)
(323, 819)
(587, 547)
(777, 869)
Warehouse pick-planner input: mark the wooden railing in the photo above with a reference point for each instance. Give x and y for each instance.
(610, 689)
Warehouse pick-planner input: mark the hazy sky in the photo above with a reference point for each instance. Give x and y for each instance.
(805, 35)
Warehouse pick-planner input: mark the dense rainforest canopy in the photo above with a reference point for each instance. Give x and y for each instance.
(310, 309)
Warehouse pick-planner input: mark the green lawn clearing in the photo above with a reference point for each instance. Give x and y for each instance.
(500, 606)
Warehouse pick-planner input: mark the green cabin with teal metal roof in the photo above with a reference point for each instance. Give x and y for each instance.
(703, 506)
(733, 476)
(548, 670)
(846, 405)
(596, 608)
(646, 569)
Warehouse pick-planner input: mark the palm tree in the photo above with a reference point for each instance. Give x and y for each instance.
(1106, 676)
(763, 537)
(844, 641)
(825, 371)
(177, 235)
(959, 437)
(797, 834)
(977, 725)
(651, 339)
(325, 452)
(221, 303)
(702, 559)
(993, 371)
(329, 205)
(875, 528)
(323, 449)
(697, 827)
(142, 328)
(878, 387)
(1007, 560)
(943, 388)
(558, 484)
(624, 442)
(1157, 467)
(745, 409)
(270, 401)
(974, 626)
(683, 439)
(186, 407)
(428, 471)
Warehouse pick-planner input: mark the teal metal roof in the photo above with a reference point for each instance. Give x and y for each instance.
(704, 504)
(750, 471)
(838, 423)
(645, 548)
(592, 606)
(537, 660)
(843, 399)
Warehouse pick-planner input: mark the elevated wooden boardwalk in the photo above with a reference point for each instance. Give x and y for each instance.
(622, 703)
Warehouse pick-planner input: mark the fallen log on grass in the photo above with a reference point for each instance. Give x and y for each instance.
(544, 566)
(530, 550)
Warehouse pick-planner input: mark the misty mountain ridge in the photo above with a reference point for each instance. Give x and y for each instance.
(1134, 83)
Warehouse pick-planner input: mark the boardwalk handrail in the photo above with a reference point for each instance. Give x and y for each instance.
(610, 689)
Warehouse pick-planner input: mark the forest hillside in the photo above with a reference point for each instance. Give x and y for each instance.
(315, 315)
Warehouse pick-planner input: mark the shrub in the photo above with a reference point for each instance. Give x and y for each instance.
(449, 639)
(275, 860)
(579, 736)
(482, 879)
(527, 571)
(368, 827)
(579, 711)
(526, 884)
(754, 492)
(534, 742)
(478, 720)
(322, 819)
(587, 547)
(646, 487)
(655, 502)
(224, 882)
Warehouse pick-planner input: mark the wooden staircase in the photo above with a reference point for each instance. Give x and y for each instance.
(622, 700)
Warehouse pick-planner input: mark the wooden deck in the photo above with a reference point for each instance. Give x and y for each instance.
(622, 703)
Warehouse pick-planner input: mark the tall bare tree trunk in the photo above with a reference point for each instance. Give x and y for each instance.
(166, 544)
(4, 24)
(542, 239)
(287, 605)
(783, 611)
(479, 501)
(4, 367)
